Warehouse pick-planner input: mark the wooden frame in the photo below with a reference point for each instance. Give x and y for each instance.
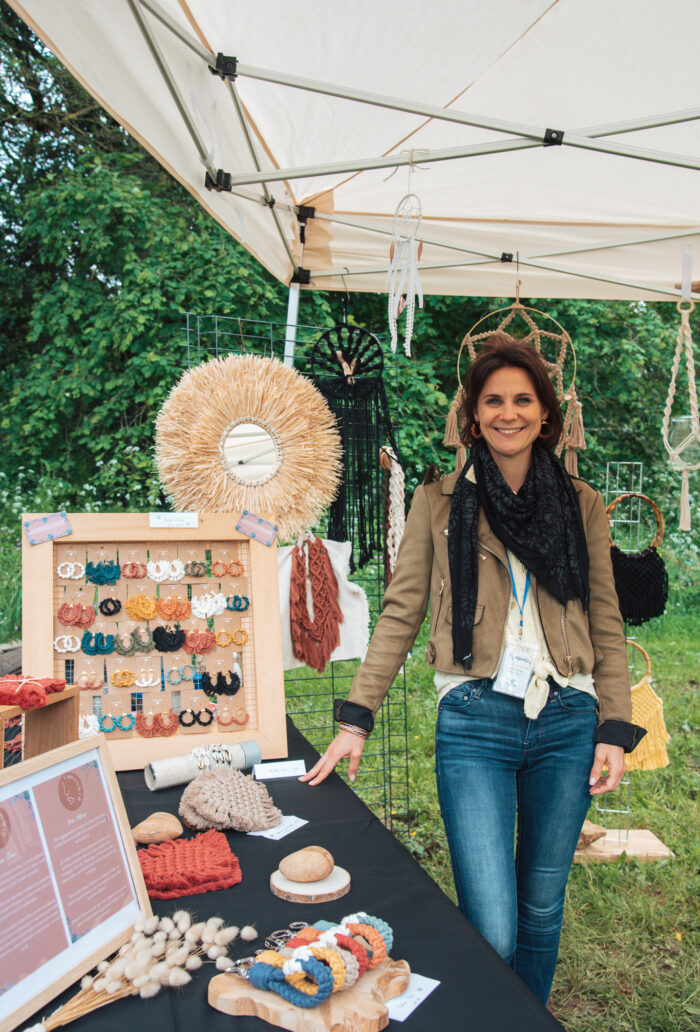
(92, 944)
(264, 688)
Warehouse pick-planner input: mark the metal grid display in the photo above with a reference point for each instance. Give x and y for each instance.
(382, 781)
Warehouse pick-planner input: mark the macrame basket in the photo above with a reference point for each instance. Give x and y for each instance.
(641, 580)
(573, 436)
(648, 712)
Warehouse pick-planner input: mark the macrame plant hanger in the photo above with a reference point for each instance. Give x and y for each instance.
(573, 437)
(347, 367)
(691, 441)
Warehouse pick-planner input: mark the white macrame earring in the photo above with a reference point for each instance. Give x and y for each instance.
(403, 280)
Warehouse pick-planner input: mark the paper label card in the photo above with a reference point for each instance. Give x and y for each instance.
(279, 769)
(286, 826)
(176, 520)
(47, 528)
(257, 528)
(419, 988)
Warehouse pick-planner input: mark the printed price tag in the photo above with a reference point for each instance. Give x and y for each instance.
(419, 988)
(47, 528)
(176, 520)
(286, 826)
(279, 769)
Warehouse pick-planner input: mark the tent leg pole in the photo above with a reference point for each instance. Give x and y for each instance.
(292, 323)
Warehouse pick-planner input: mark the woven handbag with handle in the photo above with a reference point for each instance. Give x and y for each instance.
(648, 712)
(641, 580)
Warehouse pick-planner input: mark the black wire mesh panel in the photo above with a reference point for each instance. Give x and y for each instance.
(382, 781)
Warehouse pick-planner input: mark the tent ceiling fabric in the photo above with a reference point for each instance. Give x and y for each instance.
(584, 222)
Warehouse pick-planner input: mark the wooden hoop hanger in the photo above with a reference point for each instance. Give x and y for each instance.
(660, 525)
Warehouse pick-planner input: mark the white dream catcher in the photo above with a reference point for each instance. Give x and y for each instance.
(403, 279)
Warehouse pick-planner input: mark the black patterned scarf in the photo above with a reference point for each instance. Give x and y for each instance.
(541, 525)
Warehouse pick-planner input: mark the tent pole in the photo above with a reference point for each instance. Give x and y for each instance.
(292, 324)
(638, 124)
(177, 30)
(171, 84)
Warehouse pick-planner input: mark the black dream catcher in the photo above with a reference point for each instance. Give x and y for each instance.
(347, 367)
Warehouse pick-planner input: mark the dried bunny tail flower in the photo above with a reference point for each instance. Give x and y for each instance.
(248, 933)
(179, 977)
(140, 922)
(193, 963)
(137, 967)
(139, 982)
(99, 984)
(103, 965)
(124, 949)
(194, 932)
(182, 919)
(174, 933)
(112, 986)
(224, 963)
(116, 968)
(178, 915)
(86, 982)
(166, 924)
(226, 935)
(157, 970)
(214, 952)
(180, 956)
(151, 925)
(160, 937)
(216, 922)
(149, 989)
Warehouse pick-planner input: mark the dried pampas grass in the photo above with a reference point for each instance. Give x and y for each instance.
(197, 415)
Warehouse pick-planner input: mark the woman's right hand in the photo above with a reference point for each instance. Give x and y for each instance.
(344, 744)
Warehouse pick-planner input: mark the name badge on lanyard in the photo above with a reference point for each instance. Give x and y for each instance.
(518, 660)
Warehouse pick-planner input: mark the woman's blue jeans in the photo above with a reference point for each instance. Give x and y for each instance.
(497, 773)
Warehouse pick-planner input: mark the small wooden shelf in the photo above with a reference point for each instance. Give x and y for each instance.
(47, 727)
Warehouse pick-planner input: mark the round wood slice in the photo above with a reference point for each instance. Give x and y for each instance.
(337, 884)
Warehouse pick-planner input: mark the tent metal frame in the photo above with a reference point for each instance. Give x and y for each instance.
(521, 137)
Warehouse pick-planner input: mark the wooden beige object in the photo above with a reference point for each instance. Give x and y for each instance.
(642, 844)
(263, 675)
(335, 885)
(158, 827)
(360, 1009)
(48, 727)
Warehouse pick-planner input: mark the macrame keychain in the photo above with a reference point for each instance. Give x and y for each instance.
(313, 638)
(403, 279)
(689, 441)
(573, 437)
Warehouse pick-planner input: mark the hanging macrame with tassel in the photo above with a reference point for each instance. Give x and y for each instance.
(682, 441)
(314, 635)
(403, 279)
(573, 437)
(395, 506)
(347, 367)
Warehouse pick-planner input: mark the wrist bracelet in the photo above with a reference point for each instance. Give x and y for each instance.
(359, 731)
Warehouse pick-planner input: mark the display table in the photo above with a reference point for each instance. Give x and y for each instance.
(478, 991)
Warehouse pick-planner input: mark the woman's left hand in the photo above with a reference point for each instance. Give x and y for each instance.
(612, 757)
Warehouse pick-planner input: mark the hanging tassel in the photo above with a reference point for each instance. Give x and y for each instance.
(460, 458)
(577, 437)
(648, 712)
(451, 438)
(571, 461)
(684, 522)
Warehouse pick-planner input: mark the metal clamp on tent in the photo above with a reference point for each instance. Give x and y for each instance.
(304, 212)
(226, 67)
(302, 276)
(506, 256)
(222, 183)
(553, 138)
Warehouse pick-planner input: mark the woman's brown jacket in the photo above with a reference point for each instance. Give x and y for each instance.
(578, 641)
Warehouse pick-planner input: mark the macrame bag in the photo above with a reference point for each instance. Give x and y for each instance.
(648, 712)
(641, 580)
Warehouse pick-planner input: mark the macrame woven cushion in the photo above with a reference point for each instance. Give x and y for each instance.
(226, 799)
(27, 692)
(189, 867)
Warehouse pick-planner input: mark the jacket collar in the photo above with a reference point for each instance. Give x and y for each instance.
(447, 483)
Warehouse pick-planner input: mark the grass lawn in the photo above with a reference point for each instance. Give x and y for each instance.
(630, 948)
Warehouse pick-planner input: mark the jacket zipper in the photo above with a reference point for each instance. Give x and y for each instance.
(437, 615)
(567, 657)
(505, 619)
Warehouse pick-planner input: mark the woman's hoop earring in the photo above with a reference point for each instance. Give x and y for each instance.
(543, 423)
(476, 433)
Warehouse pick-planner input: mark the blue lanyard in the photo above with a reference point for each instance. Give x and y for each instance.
(515, 593)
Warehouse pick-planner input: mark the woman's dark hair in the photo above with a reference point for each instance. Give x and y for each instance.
(498, 352)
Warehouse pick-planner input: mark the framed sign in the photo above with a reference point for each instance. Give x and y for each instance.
(172, 633)
(71, 885)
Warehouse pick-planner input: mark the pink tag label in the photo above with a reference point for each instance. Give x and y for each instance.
(47, 528)
(257, 528)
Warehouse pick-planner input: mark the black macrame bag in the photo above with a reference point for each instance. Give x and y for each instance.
(641, 580)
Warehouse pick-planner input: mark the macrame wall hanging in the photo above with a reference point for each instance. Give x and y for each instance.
(641, 580)
(394, 483)
(681, 435)
(314, 636)
(347, 366)
(245, 432)
(572, 438)
(403, 279)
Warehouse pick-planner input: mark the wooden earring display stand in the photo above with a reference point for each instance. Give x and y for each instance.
(128, 537)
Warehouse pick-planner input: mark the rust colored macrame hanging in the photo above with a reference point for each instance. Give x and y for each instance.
(313, 639)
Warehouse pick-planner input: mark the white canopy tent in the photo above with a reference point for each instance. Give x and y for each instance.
(558, 135)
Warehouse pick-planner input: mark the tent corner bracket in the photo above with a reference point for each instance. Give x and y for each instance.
(222, 183)
(302, 276)
(226, 67)
(553, 138)
(506, 256)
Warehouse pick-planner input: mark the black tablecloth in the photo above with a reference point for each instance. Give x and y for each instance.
(478, 991)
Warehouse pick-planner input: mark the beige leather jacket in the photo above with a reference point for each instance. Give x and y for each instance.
(578, 641)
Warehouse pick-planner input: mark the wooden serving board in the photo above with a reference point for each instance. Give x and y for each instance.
(335, 885)
(360, 1009)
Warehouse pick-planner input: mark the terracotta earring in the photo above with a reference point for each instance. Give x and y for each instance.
(476, 433)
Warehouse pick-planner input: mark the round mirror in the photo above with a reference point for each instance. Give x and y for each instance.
(251, 452)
